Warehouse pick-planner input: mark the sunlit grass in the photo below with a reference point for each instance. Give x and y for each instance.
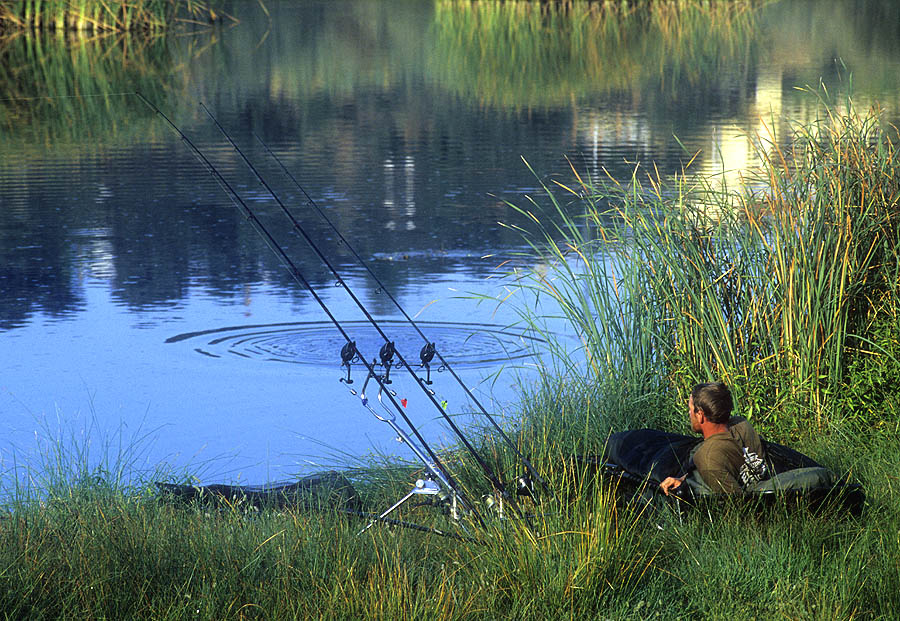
(101, 548)
(98, 550)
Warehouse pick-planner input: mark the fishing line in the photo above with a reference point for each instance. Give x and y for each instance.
(429, 349)
(437, 469)
(388, 351)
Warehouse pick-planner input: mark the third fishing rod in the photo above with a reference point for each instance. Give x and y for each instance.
(389, 350)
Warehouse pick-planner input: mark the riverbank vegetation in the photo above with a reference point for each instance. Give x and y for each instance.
(787, 288)
(97, 17)
(69, 70)
(517, 54)
(58, 91)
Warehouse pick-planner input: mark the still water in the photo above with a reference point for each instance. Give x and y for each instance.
(138, 306)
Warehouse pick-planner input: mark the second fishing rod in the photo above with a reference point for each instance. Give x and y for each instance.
(389, 350)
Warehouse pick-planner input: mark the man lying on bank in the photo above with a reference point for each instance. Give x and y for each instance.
(731, 455)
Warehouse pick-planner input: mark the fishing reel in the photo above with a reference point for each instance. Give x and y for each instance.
(494, 502)
(440, 498)
(524, 488)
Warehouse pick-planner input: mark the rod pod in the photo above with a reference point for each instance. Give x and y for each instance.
(429, 351)
(350, 347)
(488, 471)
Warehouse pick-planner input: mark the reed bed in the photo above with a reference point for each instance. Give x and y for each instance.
(569, 50)
(92, 16)
(779, 289)
(59, 90)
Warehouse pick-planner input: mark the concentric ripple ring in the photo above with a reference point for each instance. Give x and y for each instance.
(320, 343)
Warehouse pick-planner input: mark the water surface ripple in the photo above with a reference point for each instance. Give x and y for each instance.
(472, 345)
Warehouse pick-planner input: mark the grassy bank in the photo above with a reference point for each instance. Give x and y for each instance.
(98, 553)
(786, 289)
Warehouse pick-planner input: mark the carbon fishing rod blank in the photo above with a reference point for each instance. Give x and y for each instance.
(493, 477)
(437, 476)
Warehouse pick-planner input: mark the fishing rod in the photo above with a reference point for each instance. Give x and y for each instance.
(429, 350)
(389, 350)
(350, 350)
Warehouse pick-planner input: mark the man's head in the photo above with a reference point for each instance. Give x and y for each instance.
(713, 399)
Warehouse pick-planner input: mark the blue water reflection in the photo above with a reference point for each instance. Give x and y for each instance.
(408, 128)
